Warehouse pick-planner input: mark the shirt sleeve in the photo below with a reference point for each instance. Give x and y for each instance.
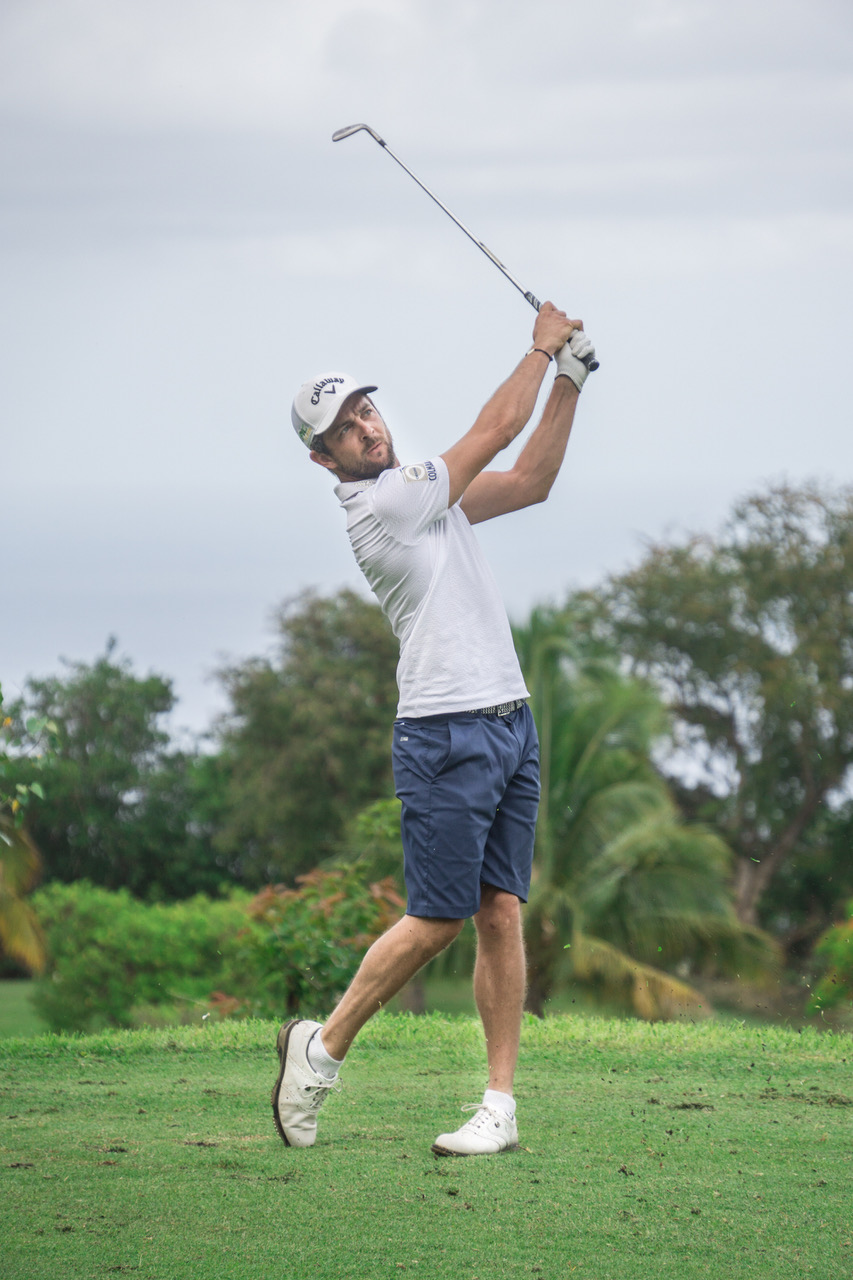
(407, 500)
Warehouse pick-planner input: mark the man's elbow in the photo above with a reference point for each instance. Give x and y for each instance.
(504, 431)
(504, 423)
(537, 488)
(539, 495)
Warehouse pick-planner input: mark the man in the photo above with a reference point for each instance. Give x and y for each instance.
(465, 753)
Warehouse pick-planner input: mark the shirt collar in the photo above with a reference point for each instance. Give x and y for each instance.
(350, 487)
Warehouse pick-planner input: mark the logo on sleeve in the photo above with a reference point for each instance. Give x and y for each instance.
(419, 471)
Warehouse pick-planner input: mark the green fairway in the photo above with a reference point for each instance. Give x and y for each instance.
(17, 1016)
(646, 1150)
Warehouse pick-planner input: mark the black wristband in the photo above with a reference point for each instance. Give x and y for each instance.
(541, 351)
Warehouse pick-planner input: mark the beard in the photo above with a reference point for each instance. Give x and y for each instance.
(372, 464)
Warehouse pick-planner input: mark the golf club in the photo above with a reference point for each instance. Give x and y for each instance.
(350, 129)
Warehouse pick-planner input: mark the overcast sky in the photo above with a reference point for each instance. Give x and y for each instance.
(182, 245)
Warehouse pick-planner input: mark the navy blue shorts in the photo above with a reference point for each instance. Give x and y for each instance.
(469, 787)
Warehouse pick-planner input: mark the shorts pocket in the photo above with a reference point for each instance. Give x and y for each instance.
(423, 749)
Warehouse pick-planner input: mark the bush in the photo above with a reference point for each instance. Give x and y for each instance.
(109, 952)
(835, 948)
(307, 943)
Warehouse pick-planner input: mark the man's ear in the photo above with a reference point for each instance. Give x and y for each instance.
(322, 460)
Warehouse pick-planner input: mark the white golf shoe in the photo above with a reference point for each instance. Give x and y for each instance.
(299, 1092)
(486, 1133)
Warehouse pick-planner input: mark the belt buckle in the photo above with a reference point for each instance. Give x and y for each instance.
(502, 709)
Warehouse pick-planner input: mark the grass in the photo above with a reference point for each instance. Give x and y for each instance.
(453, 996)
(677, 1151)
(17, 1016)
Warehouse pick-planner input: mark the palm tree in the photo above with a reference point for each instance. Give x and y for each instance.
(20, 869)
(620, 881)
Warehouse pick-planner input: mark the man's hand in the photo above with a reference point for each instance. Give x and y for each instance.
(553, 328)
(570, 358)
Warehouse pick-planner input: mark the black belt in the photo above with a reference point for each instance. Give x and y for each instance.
(502, 709)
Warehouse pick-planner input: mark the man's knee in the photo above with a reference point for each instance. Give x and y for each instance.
(500, 912)
(436, 934)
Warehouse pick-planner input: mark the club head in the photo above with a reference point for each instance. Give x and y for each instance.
(355, 128)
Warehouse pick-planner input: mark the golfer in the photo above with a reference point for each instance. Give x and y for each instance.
(465, 752)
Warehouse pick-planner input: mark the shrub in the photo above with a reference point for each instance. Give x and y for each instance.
(109, 952)
(835, 947)
(307, 943)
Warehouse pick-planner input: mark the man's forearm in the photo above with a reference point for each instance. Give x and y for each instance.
(495, 493)
(507, 413)
(514, 401)
(539, 462)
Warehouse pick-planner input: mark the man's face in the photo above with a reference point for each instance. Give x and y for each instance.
(358, 444)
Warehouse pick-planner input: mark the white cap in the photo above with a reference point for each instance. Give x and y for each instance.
(318, 402)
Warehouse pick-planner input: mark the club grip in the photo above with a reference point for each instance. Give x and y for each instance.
(590, 362)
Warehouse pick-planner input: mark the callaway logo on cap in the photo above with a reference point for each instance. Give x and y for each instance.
(317, 403)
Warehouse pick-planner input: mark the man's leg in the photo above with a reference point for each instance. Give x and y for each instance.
(499, 982)
(301, 1089)
(389, 964)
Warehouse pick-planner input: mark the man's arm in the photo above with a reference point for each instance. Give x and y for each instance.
(495, 493)
(509, 410)
(530, 480)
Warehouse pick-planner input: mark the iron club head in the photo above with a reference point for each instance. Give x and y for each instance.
(349, 129)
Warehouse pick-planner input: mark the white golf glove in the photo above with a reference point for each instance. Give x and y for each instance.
(571, 356)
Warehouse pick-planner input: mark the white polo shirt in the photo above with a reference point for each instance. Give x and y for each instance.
(427, 570)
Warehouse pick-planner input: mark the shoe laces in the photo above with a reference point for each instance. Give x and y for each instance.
(484, 1115)
(314, 1095)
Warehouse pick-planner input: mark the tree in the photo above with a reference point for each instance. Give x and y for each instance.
(120, 807)
(750, 637)
(809, 887)
(623, 889)
(306, 743)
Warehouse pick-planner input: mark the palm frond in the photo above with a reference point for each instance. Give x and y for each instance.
(20, 868)
(651, 993)
(21, 937)
(20, 861)
(585, 832)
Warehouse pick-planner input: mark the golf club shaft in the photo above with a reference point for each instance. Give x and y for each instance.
(591, 364)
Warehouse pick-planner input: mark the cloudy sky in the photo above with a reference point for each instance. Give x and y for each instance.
(182, 245)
